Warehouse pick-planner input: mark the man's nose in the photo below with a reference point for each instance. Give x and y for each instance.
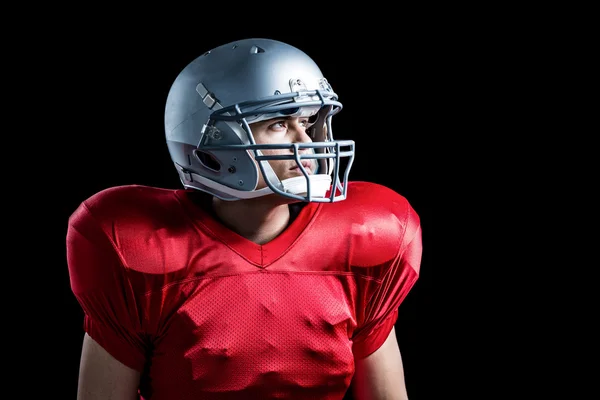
(300, 134)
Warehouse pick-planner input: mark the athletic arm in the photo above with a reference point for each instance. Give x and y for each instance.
(101, 376)
(380, 376)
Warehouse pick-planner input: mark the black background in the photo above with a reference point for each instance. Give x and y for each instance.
(416, 94)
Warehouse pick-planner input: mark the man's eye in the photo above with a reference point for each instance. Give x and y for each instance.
(277, 125)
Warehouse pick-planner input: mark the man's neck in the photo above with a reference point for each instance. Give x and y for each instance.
(259, 220)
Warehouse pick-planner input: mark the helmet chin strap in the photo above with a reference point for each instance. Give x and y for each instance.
(297, 185)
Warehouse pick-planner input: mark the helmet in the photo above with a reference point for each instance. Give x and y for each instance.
(214, 99)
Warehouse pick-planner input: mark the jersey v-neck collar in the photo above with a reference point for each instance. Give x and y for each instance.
(260, 255)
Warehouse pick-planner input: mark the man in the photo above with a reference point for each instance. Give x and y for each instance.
(267, 275)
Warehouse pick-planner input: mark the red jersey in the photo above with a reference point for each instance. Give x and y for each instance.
(204, 313)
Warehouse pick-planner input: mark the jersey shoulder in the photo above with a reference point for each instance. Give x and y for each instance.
(126, 203)
(377, 222)
(374, 197)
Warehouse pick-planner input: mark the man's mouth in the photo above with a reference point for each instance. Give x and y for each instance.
(306, 164)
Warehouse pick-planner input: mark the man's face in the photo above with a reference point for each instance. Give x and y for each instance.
(284, 130)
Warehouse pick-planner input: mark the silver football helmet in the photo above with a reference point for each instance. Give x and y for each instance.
(216, 97)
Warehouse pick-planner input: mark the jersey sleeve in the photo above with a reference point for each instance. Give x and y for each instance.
(100, 284)
(401, 274)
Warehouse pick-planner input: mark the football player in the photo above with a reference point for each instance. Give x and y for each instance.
(268, 275)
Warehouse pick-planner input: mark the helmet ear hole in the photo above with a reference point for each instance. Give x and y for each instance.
(318, 125)
(207, 160)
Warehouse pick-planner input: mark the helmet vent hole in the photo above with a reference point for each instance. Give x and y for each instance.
(255, 50)
(207, 160)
